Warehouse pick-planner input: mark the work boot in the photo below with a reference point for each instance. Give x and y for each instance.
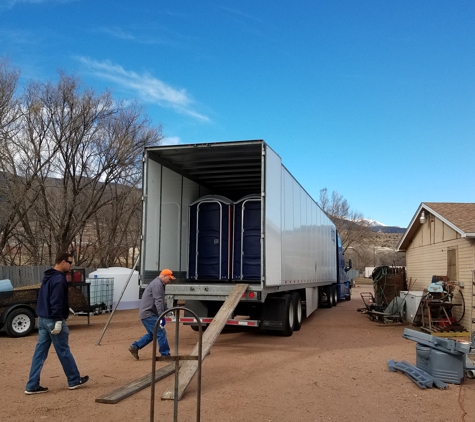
(134, 351)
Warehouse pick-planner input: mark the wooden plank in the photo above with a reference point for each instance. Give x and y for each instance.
(189, 368)
(135, 386)
(451, 334)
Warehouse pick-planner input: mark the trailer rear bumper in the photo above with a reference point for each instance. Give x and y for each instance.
(232, 322)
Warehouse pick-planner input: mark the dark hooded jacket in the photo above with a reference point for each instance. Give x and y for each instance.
(53, 299)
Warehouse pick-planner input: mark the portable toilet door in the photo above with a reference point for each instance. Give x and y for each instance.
(210, 238)
(247, 238)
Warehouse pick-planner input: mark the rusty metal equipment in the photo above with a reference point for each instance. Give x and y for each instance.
(436, 309)
(388, 282)
(394, 312)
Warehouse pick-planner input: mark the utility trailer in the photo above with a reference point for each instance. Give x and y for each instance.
(218, 214)
(18, 306)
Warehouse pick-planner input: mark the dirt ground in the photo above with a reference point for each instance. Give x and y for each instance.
(333, 369)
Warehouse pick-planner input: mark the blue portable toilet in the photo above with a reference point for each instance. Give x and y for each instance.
(210, 238)
(247, 238)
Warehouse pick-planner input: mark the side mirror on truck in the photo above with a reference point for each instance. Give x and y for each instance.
(350, 265)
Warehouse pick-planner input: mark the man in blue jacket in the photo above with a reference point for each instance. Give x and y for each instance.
(52, 309)
(152, 306)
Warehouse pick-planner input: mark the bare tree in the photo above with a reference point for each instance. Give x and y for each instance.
(362, 256)
(70, 151)
(354, 230)
(17, 175)
(360, 243)
(99, 144)
(112, 237)
(391, 258)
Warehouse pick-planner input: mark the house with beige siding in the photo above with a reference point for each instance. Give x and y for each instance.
(440, 240)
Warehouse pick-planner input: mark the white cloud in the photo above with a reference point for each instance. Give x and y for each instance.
(138, 37)
(147, 87)
(171, 140)
(11, 3)
(117, 33)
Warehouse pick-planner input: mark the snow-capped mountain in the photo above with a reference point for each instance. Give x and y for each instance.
(373, 223)
(377, 226)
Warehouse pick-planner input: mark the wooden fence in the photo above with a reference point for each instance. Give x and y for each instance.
(28, 275)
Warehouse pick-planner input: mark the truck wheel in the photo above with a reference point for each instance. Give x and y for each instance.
(334, 294)
(348, 296)
(289, 317)
(327, 290)
(297, 303)
(197, 329)
(20, 322)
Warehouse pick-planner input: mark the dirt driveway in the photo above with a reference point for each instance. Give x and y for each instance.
(333, 369)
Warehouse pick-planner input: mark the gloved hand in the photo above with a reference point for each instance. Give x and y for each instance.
(163, 321)
(57, 327)
(71, 313)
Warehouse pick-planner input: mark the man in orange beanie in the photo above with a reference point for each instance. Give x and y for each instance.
(152, 306)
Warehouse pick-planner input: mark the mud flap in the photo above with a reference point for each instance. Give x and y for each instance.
(273, 314)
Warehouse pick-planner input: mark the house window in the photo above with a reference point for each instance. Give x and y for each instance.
(452, 264)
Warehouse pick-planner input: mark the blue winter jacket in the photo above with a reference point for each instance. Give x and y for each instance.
(53, 301)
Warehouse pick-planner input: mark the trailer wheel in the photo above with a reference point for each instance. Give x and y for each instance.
(197, 329)
(334, 294)
(289, 317)
(328, 292)
(297, 303)
(20, 322)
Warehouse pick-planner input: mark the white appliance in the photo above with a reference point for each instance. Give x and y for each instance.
(130, 299)
(413, 299)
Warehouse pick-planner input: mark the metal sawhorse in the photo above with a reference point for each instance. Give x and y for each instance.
(176, 358)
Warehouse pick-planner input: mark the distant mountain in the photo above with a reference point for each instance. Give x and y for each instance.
(388, 229)
(376, 226)
(373, 223)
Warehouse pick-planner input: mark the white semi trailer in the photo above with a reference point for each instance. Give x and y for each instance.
(218, 214)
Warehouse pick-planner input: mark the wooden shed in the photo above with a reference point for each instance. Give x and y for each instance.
(440, 240)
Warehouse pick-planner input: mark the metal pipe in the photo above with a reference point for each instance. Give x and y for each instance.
(470, 373)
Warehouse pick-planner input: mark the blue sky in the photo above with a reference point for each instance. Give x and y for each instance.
(374, 99)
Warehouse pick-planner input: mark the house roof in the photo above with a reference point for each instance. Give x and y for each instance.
(458, 216)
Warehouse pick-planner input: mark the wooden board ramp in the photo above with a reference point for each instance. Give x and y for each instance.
(450, 333)
(135, 386)
(189, 367)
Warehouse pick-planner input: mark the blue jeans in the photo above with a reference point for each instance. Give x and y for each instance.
(61, 345)
(149, 324)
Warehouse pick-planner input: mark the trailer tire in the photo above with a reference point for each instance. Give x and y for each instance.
(289, 316)
(334, 293)
(298, 315)
(328, 292)
(20, 322)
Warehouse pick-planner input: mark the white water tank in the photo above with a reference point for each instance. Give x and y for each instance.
(130, 299)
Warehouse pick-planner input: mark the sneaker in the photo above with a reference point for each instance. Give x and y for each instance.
(38, 390)
(134, 351)
(81, 382)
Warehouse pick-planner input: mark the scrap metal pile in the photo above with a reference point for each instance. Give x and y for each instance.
(386, 306)
(442, 307)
